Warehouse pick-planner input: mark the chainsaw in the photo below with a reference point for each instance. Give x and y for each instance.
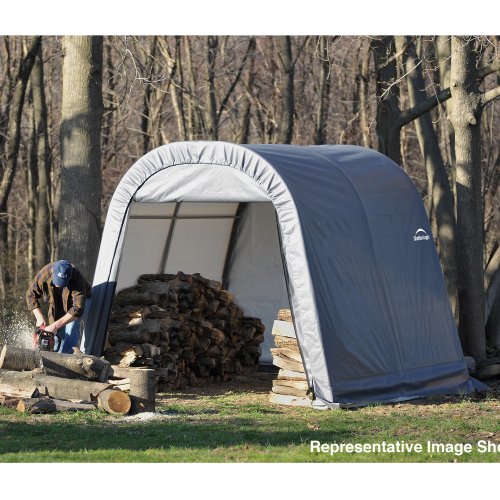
(46, 341)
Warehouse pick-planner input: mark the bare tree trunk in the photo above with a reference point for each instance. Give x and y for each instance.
(31, 186)
(440, 194)
(195, 123)
(493, 324)
(80, 211)
(211, 102)
(146, 118)
(43, 195)
(288, 100)
(244, 131)
(177, 87)
(14, 134)
(443, 52)
(466, 119)
(388, 110)
(492, 307)
(154, 98)
(362, 82)
(325, 85)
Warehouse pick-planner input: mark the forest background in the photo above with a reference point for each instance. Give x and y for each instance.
(78, 111)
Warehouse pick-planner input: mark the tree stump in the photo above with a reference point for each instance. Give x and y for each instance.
(142, 390)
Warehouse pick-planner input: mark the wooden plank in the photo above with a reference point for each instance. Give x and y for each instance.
(283, 329)
(299, 385)
(282, 399)
(288, 364)
(291, 375)
(286, 353)
(288, 342)
(290, 391)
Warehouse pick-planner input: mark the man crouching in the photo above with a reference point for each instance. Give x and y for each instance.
(67, 294)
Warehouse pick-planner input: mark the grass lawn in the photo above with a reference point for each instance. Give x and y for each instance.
(234, 422)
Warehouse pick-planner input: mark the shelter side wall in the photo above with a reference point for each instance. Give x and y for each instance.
(256, 276)
(382, 304)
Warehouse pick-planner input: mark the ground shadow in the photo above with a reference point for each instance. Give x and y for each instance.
(163, 434)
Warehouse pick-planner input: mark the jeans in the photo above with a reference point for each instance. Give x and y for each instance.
(71, 332)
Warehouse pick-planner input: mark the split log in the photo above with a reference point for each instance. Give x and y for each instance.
(77, 365)
(192, 323)
(120, 372)
(286, 353)
(287, 342)
(13, 391)
(59, 388)
(133, 336)
(288, 364)
(283, 329)
(142, 390)
(114, 401)
(119, 381)
(285, 315)
(122, 384)
(299, 385)
(129, 356)
(49, 405)
(291, 375)
(289, 391)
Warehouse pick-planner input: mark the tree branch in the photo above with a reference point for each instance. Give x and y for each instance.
(397, 55)
(419, 109)
(431, 102)
(490, 95)
(487, 70)
(492, 268)
(250, 47)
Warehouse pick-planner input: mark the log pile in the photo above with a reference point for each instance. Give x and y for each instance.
(185, 327)
(37, 381)
(291, 386)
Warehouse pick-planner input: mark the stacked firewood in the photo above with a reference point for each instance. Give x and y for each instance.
(37, 381)
(290, 387)
(186, 327)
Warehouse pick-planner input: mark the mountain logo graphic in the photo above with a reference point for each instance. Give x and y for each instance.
(420, 235)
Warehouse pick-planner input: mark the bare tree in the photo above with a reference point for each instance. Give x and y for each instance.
(388, 106)
(40, 168)
(468, 106)
(80, 211)
(13, 132)
(325, 86)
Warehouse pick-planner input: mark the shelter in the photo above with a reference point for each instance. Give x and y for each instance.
(337, 233)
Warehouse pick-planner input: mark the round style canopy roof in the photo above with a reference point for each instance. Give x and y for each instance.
(370, 307)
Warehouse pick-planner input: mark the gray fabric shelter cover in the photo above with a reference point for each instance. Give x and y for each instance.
(370, 307)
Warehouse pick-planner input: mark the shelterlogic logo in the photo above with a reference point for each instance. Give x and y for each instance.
(420, 235)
